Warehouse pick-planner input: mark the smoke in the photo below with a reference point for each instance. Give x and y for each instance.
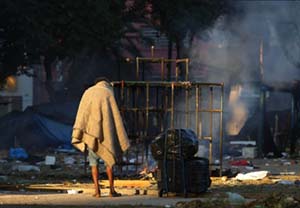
(262, 43)
(231, 53)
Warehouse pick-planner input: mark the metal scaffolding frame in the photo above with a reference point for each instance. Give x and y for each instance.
(162, 62)
(151, 107)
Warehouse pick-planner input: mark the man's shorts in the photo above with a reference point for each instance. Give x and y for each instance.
(93, 158)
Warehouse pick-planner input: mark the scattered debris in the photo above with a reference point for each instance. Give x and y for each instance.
(25, 168)
(17, 153)
(286, 163)
(68, 173)
(256, 175)
(65, 150)
(286, 182)
(276, 200)
(249, 152)
(242, 162)
(235, 198)
(288, 173)
(73, 191)
(69, 160)
(50, 160)
(220, 203)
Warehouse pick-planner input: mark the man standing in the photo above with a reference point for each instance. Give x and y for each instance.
(99, 129)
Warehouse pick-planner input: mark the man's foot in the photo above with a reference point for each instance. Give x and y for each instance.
(97, 194)
(114, 194)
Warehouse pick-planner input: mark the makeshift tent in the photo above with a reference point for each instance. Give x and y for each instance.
(38, 127)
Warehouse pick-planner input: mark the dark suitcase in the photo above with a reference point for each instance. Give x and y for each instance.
(190, 176)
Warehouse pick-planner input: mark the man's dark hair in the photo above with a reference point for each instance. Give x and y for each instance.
(99, 79)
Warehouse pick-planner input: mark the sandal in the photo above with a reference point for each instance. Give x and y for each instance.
(115, 194)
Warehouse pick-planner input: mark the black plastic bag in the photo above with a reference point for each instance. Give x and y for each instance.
(179, 144)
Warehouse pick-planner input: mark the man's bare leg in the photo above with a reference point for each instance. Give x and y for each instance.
(110, 175)
(95, 176)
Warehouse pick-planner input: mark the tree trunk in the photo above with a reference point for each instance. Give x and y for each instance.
(49, 78)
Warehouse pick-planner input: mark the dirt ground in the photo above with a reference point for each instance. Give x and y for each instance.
(50, 185)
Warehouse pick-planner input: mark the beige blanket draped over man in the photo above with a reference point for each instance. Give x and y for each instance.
(99, 126)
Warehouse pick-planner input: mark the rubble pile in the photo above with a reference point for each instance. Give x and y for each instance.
(248, 182)
(272, 201)
(52, 166)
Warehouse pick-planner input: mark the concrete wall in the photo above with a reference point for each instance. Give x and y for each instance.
(23, 89)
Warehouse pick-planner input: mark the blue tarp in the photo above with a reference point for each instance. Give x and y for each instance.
(55, 130)
(38, 127)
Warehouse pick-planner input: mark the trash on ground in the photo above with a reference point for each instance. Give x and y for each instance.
(50, 160)
(288, 173)
(235, 198)
(73, 191)
(286, 182)
(69, 160)
(256, 175)
(25, 168)
(240, 163)
(17, 153)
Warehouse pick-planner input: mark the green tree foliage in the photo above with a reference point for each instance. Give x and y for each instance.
(51, 28)
(30, 29)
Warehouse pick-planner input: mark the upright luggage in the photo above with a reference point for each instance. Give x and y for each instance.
(196, 177)
(178, 170)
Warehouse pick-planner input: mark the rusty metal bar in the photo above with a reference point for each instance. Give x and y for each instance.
(161, 115)
(162, 66)
(186, 69)
(158, 59)
(172, 105)
(221, 131)
(166, 107)
(200, 123)
(152, 51)
(134, 112)
(152, 109)
(176, 72)
(154, 59)
(176, 60)
(186, 107)
(210, 124)
(126, 101)
(197, 110)
(168, 83)
(133, 93)
(207, 137)
(147, 105)
(212, 110)
(162, 62)
(137, 75)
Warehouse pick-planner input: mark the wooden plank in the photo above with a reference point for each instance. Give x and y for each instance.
(129, 183)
